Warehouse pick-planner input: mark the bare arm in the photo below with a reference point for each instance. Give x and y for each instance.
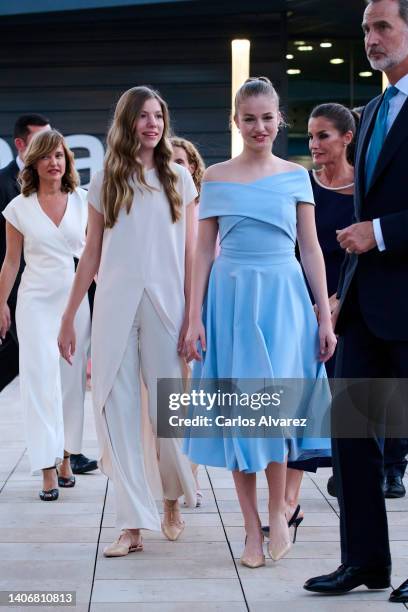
(189, 253)
(203, 259)
(86, 270)
(8, 274)
(313, 265)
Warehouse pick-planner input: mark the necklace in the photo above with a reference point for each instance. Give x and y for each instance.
(331, 188)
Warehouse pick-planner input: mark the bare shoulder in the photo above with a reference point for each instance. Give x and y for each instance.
(219, 172)
(288, 166)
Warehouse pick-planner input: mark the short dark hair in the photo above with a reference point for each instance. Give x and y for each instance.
(403, 8)
(21, 129)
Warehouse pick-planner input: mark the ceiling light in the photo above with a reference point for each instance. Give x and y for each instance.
(337, 60)
(299, 42)
(290, 56)
(365, 74)
(326, 45)
(305, 48)
(293, 71)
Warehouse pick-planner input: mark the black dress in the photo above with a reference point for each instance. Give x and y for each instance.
(333, 211)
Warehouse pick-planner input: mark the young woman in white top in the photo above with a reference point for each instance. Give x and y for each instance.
(48, 220)
(140, 240)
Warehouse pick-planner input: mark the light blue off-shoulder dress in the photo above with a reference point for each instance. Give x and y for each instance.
(258, 316)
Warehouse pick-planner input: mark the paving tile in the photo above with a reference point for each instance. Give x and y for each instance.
(139, 567)
(183, 591)
(215, 551)
(271, 588)
(74, 573)
(49, 534)
(47, 552)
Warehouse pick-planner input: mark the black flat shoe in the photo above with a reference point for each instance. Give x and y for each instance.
(400, 595)
(294, 520)
(50, 495)
(347, 578)
(66, 483)
(81, 464)
(394, 487)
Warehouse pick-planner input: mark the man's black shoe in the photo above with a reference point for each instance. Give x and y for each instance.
(394, 487)
(346, 578)
(400, 595)
(331, 487)
(81, 464)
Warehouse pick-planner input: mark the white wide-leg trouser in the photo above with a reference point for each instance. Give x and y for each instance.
(153, 351)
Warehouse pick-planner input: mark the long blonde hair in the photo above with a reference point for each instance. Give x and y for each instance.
(44, 143)
(194, 158)
(122, 161)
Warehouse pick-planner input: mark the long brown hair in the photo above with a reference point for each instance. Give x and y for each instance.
(44, 143)
(122, 160)
(194, 158)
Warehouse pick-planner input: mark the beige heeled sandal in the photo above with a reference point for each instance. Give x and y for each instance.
(120, 549)
(172, 524)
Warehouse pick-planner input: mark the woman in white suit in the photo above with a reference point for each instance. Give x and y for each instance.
(48, 220)
(140, 240)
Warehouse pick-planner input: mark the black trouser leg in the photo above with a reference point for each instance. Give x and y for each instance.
(358, 462)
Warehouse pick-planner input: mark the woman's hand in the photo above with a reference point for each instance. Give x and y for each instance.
(5, 321)
(195, 333)
(66, 339)
(327, 340)
(182, 337)
(333, 302)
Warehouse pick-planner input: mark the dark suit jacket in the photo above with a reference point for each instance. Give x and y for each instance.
(378, 281)
(9, 189)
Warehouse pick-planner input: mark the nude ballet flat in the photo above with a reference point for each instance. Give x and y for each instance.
(252, 562)
(172, 524)
(119, 549)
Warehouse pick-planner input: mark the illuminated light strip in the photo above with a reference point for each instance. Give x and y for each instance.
(240, 72)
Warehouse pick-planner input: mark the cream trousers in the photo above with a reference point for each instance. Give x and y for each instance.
(151, 351)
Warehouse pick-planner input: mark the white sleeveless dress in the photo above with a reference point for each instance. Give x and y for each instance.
(42, 296)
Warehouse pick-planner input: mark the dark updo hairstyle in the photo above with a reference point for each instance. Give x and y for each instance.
(256, 86)
(343, 119)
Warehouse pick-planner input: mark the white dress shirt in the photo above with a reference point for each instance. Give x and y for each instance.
(19, 163)
(396, 103)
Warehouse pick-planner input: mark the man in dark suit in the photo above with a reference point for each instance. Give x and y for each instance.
(372, 314)
(24, 129)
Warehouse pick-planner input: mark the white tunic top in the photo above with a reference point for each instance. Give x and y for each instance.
(144, 251)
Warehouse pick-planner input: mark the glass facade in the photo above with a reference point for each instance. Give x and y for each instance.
(324, 70)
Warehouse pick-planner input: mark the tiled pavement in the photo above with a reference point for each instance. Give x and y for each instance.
(58, 546)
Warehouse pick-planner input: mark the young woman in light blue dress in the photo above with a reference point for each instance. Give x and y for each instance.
(258, 318)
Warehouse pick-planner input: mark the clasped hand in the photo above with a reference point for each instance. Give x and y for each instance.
(195, 334)
(357, 238)
(5, 322)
